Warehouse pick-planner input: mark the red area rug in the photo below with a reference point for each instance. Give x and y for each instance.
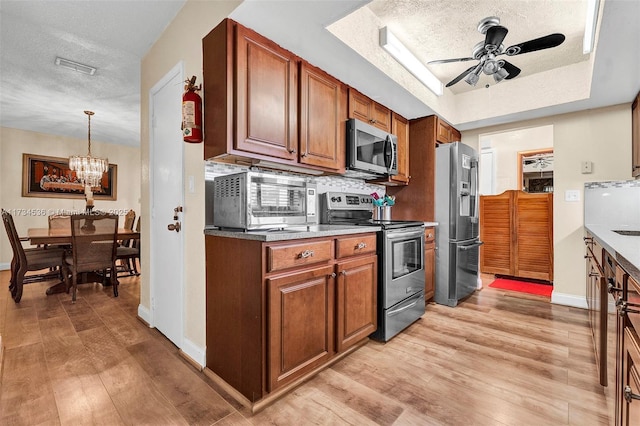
(522, 286)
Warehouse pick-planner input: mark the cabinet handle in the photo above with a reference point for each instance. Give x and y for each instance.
(333, 275)
(430, 235)
(304, 155)
(588, 239)
(360, 246)
(594, 274)
(305, 254)
(373, 121)
(629, 395)
(292, 151)
(343, 272)
(586, 256)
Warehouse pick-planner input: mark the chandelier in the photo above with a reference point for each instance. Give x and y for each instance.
(89, 170)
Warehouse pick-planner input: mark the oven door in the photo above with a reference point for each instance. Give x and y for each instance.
(403, 264)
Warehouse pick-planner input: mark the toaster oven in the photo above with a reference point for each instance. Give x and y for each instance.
(257, 200)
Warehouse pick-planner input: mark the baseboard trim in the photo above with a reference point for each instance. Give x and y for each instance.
(193, 353)
(144, 314)
(5, 266)
(569, 300)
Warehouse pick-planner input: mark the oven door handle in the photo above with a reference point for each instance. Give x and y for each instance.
(404, 308)
(470, 246)
(394, 235)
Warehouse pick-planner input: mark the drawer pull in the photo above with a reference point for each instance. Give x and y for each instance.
(629, 395)
(333, 275)
(611, 288)
(305, 254)
(594, 274)
(587, 239)
(429, 235)
(360, 246)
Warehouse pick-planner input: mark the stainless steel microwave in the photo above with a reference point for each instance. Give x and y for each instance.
(258, 200)
(371, 150)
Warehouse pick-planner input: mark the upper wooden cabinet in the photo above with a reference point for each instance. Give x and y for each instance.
(517, 230)
(446, 133)
(323, 112)
(415, 201)
(264, 103)
(635, 136)
(365, 109)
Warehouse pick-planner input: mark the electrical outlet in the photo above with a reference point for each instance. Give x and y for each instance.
(572, 195)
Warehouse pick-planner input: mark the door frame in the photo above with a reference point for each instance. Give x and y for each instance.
(177, 70)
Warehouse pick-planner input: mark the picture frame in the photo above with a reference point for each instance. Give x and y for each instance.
(50, 177)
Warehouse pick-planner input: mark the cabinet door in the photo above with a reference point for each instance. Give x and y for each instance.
(323, 115)
(369, 111)
(443, 132)
(356, 301)
(631, 379)
(400, 128)
(496, 215)
(301, 324)
(635, 137)
(429, 263)
(266, 87)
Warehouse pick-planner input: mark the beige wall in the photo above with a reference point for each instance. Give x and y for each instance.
(507, 145)
(182, 41)
(14, 142)
(602, 136)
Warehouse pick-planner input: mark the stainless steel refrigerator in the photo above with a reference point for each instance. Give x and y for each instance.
(457, 235)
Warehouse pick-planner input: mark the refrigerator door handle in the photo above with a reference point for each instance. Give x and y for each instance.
(474, 189)
(470, 246)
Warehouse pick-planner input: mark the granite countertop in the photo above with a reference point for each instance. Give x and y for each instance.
(293, 232)
(625, 248)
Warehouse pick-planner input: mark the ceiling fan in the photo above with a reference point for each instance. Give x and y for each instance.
(538, 162)
(487, 53)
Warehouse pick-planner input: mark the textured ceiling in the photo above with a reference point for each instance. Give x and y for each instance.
(111, 36)
(445, 29)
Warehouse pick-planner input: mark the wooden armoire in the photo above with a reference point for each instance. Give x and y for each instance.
(517, 230)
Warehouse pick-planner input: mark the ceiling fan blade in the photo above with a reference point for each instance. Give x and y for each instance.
(461, 76)
(446, 61)
(511, 69)
(546, 42)
(494, 38)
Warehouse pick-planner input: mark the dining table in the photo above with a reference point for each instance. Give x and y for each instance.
(62, 236)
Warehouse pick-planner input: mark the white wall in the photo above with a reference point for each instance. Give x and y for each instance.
(181, 41)
(507, 145)
(602, 136)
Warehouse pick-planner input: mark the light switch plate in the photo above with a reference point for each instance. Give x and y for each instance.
(572, 195)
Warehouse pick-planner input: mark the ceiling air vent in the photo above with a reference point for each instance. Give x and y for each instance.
(76, 66)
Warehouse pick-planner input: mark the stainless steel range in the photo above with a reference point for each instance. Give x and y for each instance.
(401, 275)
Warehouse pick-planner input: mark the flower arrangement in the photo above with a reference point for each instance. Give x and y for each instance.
(385, 201)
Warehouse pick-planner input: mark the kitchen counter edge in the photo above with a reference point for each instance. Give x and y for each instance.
(626, 249)
(294, 233)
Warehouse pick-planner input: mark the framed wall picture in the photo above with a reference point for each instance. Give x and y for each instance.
(50, 177)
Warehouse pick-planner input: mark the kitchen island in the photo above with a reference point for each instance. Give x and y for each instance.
(283, 305)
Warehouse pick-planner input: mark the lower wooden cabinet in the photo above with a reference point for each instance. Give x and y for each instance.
(429, 262)
(278, 312)
(301, 330)
(631, 379)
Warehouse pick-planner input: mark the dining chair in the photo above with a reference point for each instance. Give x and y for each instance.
(129, 255)
(30, 259)
(93, 248)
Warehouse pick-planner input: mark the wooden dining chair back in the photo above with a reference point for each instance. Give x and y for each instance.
(25, 260)
(128, 255)
(93, 242)
(59, 221)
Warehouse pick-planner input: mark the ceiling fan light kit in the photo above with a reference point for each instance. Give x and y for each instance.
(488, 50)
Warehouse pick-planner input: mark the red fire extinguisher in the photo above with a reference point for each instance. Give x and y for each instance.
(192, 112)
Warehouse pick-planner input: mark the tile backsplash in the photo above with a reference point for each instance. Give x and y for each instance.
(612, 203)
(324, 183)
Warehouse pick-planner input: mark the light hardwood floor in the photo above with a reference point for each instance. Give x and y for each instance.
(499, 358)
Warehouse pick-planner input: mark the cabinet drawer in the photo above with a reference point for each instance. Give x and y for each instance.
(351, 246)
(289, 255)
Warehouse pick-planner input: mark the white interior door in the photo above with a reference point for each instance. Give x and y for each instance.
(166, 183)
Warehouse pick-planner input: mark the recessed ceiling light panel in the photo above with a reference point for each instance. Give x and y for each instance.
(76, 66)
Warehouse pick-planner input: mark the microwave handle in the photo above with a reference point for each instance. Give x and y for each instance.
(389, 146)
